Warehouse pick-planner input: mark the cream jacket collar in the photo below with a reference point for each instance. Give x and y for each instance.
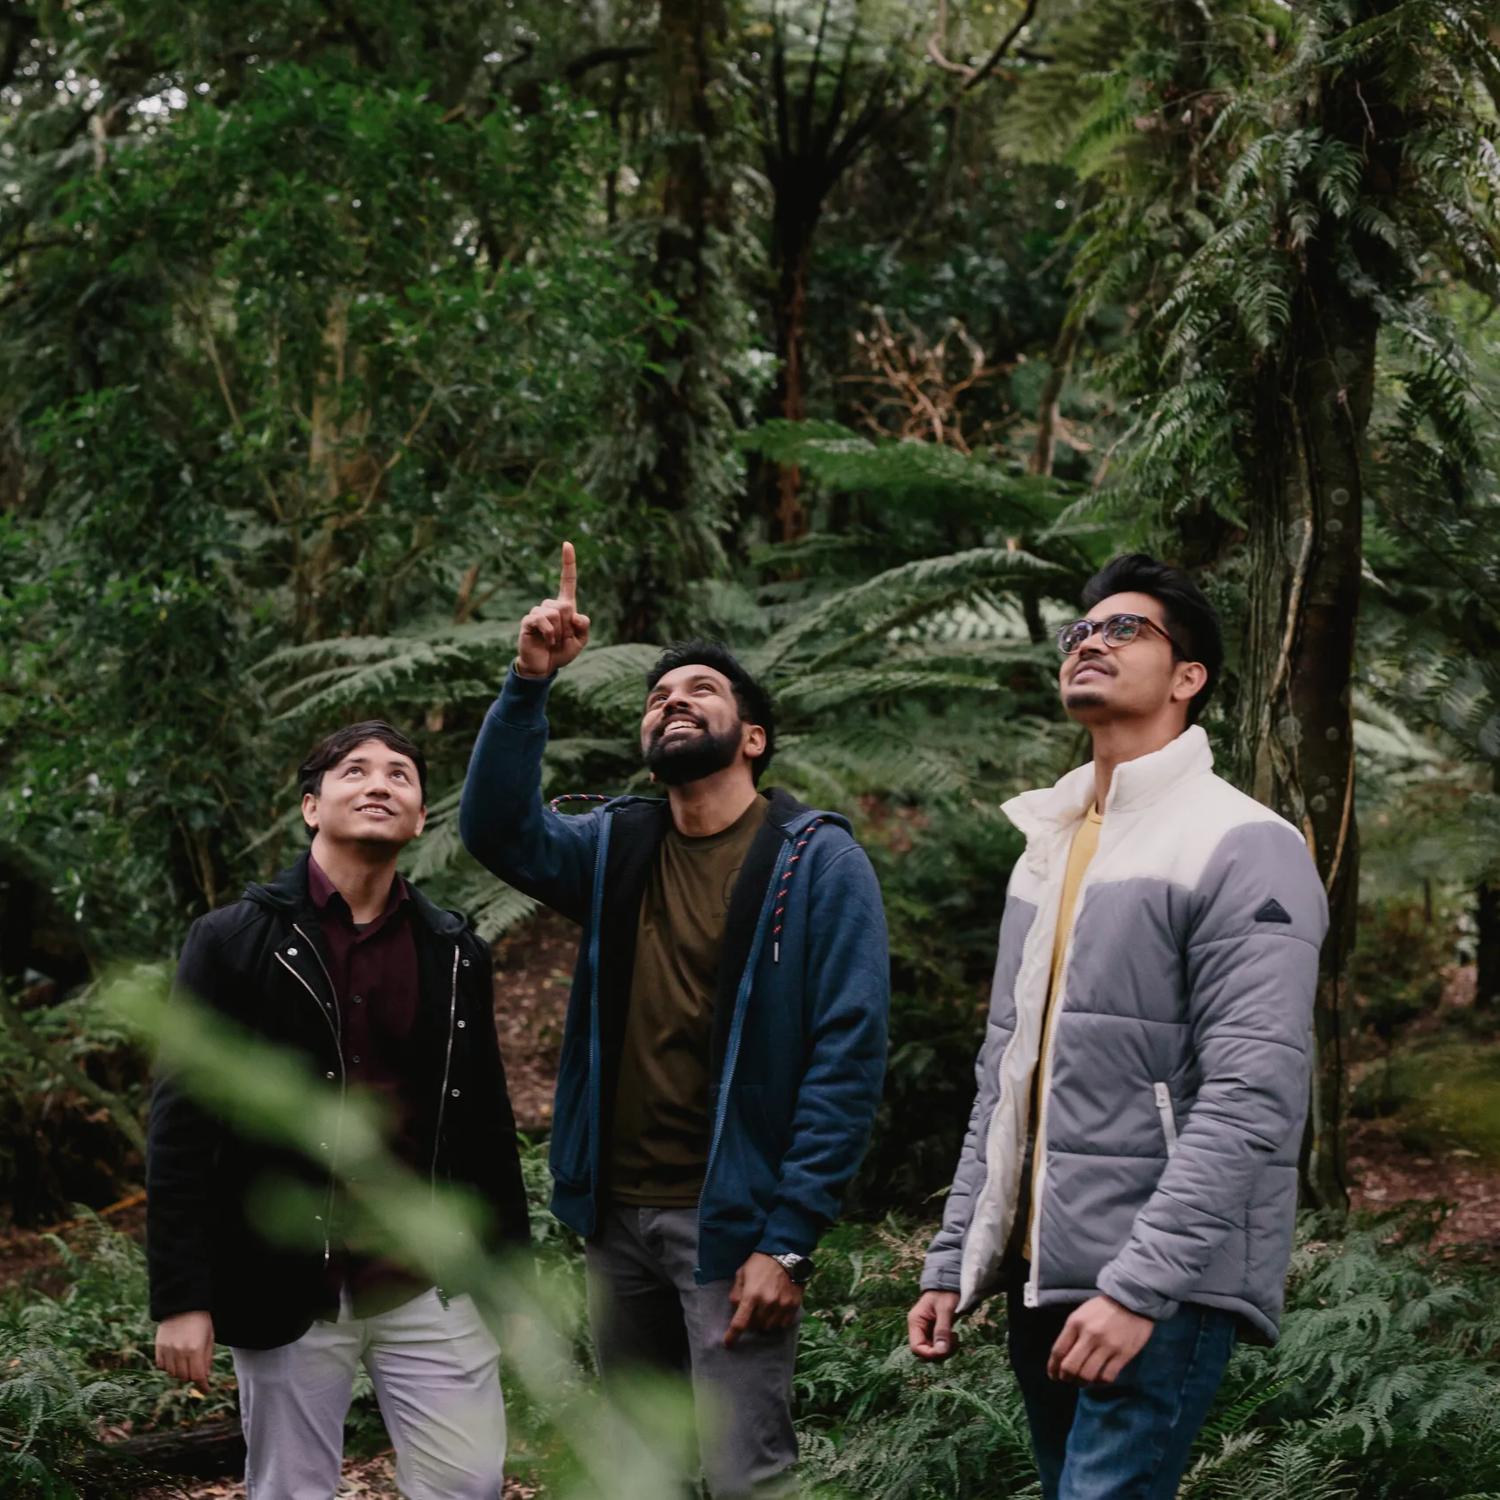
(1136, 784)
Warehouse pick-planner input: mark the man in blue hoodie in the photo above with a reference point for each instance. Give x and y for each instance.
(725, 1042)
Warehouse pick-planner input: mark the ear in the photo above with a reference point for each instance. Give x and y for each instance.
(1188, 680)
(310, 810)
(421, 821)
(752, 742)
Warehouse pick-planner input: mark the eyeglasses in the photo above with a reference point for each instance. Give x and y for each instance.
(1117, 630)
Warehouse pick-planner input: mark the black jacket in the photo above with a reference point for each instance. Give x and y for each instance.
(259, 963)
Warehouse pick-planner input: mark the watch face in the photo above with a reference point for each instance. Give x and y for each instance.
(799, 1268)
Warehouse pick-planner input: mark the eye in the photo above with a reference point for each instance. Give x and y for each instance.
(399, 773)
(352, 770)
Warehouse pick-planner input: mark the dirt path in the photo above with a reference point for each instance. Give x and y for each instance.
(364, 1479)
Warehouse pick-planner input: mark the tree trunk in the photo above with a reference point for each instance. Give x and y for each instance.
(789, 517)
(1306, 550)
(1487, 955)
(678, 399)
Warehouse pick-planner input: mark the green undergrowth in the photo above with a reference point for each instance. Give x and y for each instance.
(1385, 1385)
(1446, 1096)
(77, 1365)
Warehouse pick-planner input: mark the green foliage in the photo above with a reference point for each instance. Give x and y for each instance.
(79, 1361)
(303, 355)
(1386, 1383)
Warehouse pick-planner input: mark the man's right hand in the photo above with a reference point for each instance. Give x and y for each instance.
(554, 632)
(929, 1325)
(185, 1346)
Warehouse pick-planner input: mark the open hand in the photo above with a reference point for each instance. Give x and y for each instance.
(185, 1346)
(764, 1298)
(929, 1325)
(554, 632)
(1097, 1342)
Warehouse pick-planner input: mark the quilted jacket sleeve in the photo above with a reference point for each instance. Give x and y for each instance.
(1258, 920)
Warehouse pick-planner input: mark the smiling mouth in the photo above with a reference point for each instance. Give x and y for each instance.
(674, 728)
(375, 807)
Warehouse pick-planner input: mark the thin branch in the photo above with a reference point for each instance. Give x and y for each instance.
(602, 56)
(993, 60)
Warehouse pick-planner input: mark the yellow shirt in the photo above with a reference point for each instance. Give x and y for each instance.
(1080, 852)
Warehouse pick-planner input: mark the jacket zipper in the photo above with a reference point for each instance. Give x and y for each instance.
(736, 1031)
(338, 1047)
(1030, 1292)
(1168, 1119)
(437, 1137)
(596, 1058)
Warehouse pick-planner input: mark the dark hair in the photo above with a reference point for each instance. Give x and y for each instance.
(1190, 619)
(327, 753)
(753, 700)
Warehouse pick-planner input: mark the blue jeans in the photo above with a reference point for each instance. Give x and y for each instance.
(1128, 1440)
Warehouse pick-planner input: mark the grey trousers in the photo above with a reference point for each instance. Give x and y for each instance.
(436, 1372)
(645, 1309)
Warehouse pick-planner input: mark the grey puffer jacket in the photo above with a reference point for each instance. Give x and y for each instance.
(1175, 1086)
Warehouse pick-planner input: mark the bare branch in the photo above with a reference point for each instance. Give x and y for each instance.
(993, 60)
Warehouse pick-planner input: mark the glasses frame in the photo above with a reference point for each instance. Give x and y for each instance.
(1099, 627)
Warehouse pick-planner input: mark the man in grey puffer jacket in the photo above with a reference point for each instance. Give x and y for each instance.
(1129, 1176)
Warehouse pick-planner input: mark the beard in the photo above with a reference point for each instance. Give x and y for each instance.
(691, 757)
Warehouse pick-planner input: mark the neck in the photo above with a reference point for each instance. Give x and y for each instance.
(1127, 739)
(712, 804)
(360, 874)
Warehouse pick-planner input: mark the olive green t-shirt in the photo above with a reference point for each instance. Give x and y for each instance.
(659, 1145)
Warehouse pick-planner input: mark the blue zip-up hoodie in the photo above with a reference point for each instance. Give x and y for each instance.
(799, 1026)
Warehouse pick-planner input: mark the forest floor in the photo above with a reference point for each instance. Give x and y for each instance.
(1438, 1140)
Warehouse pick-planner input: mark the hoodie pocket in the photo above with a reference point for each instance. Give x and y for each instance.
(1168, 1119)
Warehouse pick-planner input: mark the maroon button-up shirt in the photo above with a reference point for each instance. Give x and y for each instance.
(373, 967)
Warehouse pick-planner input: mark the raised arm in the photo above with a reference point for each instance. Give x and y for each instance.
(502, 819)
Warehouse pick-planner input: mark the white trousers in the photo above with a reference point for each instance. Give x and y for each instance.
(436, 1373)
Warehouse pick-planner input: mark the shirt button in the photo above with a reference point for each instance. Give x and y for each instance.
(291, 953)
(466, 963)
(356, 1057)
(455, 1093)
(460, 1025)
(359, 999)
(328, 1076)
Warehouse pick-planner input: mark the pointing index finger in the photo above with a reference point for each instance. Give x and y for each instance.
(567, 588)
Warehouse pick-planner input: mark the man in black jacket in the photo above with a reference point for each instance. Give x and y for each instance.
(340, 961)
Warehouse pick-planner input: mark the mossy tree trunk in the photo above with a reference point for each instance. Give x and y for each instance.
(1307, 458)
(679, 407)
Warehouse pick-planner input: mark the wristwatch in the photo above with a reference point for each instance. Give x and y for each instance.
(798, 1267)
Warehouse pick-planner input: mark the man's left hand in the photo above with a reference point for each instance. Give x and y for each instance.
(1097, 1342)
(764, 1298)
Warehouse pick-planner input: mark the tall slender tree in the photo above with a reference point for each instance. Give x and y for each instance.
(1282, 185)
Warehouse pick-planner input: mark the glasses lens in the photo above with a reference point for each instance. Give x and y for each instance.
(1120, 629)
(1071, 637)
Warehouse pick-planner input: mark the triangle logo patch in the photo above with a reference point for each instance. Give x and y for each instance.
(1272, 911)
